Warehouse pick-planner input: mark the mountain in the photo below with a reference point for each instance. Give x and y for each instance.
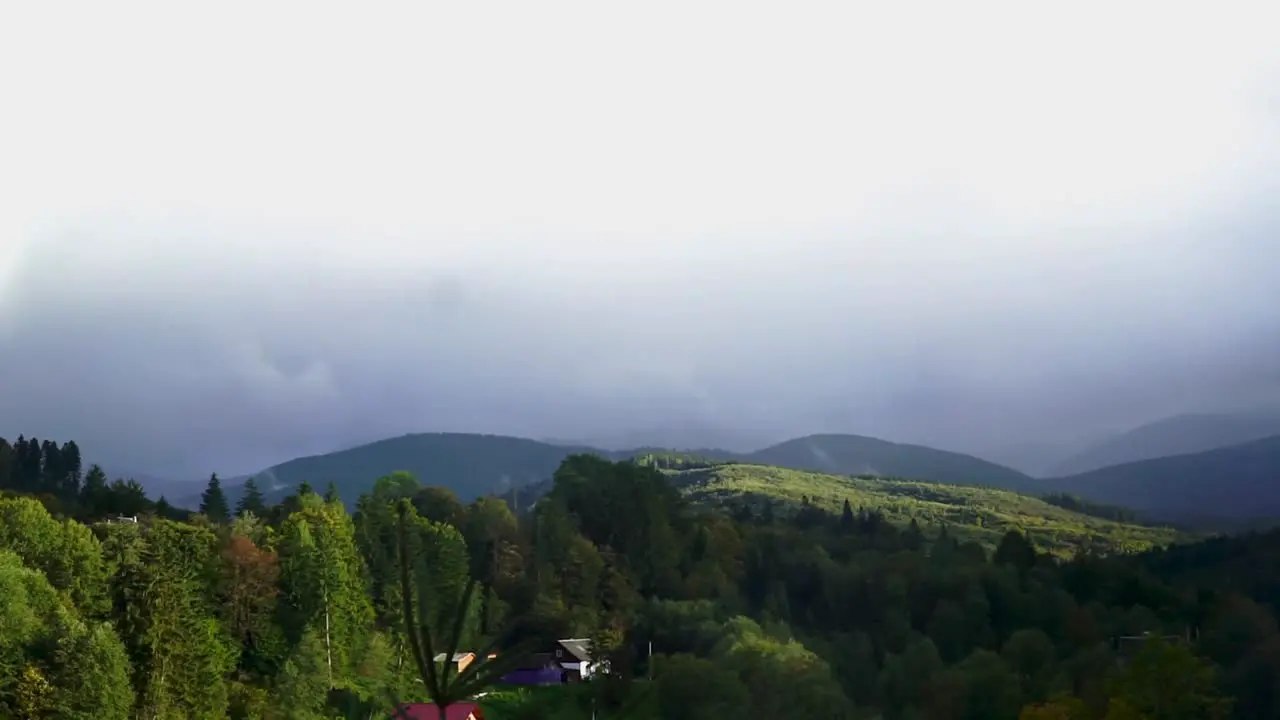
(1177, 435)
(469, 464)
(1225, 488)
(858, 455)
(472, 465)
(970, 513)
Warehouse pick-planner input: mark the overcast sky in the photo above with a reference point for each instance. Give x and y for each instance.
(234, 233)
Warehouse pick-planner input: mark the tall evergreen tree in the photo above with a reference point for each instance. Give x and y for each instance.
(71, 466)
(93, 494)
(27, 460)
(251, 500)
(213, 502)
(331, 493)
(51, 468)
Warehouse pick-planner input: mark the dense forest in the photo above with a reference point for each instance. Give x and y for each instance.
(301, 609)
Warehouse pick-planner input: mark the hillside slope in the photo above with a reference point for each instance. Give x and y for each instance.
(472, 465)
(1225, 487)
(858, 455)
(980, 514)
(1178, 435)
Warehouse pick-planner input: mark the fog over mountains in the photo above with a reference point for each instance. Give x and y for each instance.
(1012, 259)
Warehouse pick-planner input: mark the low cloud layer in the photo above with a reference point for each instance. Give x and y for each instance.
(732, 228)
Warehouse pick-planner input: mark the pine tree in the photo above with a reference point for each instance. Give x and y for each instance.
(50, 468)
(846, 516)
(305, 489)
(163, 508)
(94, 492)
(213, 503)
(71, 471)
(331, 493)
(27, 462)
(251, 501)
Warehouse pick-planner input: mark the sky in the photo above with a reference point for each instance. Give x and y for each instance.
(235, 233)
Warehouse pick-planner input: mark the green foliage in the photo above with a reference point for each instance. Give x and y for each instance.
(979, 514)
(182, 652)
(760, 592)
(324, 591)
(1167, 680)
(1086, 507)
(53, 664)
(65, 551)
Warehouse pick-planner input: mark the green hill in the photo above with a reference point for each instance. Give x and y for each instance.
(469, 464)
(472, 465)
(1227, 487)
(858, 455)
(975, 513)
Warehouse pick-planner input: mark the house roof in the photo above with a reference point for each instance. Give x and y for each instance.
(457, 657)
(580, 648)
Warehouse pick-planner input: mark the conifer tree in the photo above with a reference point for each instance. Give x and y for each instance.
(94, 491)
(213, 502)
(50, 468)
(251, 500)
(71, 472)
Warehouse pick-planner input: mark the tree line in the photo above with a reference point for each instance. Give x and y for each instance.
(299, 609)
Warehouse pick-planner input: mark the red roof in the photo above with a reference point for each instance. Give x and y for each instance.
(429, 711)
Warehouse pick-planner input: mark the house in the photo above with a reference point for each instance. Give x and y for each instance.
(429, 711)
(574, 656)
(566, 661)
(460, 660)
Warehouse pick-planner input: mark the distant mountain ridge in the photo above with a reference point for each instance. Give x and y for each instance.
(473, 465)
(1177, 435)
(1226, 488)
(860, 455)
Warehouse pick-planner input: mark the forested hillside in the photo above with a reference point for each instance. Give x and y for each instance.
(1224, 488)
(473, 465)
(858, 455)
(980, 514)
(56, 474)
(295, 610)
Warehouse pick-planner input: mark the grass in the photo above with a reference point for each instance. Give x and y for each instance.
(970, 513)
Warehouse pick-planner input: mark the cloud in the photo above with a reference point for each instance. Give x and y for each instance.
(231, 242)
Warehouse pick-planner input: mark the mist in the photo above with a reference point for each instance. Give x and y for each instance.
(227, 243)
